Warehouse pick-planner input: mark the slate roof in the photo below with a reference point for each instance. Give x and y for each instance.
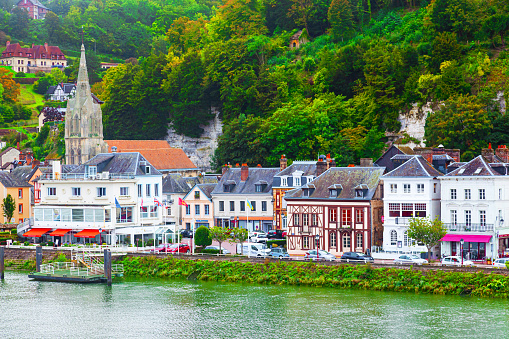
(256, 174)
(416, 166)
(475, 167)
(207, 189)
(67, 87)
(68, 168)
(24, 172)
(158, 152)
(118, 163)
(176, 183)
(9, 180)
(308, 167)
(349, 178)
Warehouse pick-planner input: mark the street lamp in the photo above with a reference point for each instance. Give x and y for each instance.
(461, 249)
(317, 241)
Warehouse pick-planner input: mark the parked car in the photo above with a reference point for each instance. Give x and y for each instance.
(253, 249)
(186, 233)
(500, 262)
(255, 234)
(275, 234)
(410, 259)
(223, 250)
(262, 237)
(322, 255)
(163, 248)
(354, 256)
(179, 248)
(279, 253)
(456, 261)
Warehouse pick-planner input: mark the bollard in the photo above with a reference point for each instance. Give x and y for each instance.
(38, 258)
(107, 266)
(2, 266)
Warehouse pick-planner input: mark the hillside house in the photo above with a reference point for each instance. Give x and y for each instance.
(33, 59)
(35, 9)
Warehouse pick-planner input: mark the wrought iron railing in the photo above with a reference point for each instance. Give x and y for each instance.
(457, 227)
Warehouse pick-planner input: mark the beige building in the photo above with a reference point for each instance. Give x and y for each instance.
(30, 60)
(9, 155)
(199, 210)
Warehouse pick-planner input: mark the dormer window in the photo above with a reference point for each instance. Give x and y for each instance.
(361, 191)
(333, 193)
(92, 171)
(227, 188)
(284, 181)
(228, 185)
(297, 181)
(335, 190)
(258, 188)
(147, 169)
(308, 190)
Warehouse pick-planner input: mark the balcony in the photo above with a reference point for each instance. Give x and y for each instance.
(404, 220)
(469, 227)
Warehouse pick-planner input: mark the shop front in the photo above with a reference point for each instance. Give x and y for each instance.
(470, 246)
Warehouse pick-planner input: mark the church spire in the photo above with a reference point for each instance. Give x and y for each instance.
(83, 85)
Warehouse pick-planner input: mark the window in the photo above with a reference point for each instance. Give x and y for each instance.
(197, 195)
(196, 209)
(468, 218)
(77, 215)
(468, 196)
(406, 188)
(147, 169)
(407, 210)
(297, 181)
(394, 188)
(359, 193)
(253, 203)
(482, 218)
(92, 171)
(394, 238)
(124, 214)
(346, 217)
(207, 209)
(454, 217)
(420, 188)
(89, 215)
(168, 210)
(346, 240)
(359, 240)
(258, 188)
(359, 216)
(333, 193)
(188, 210)
(221, 206)
(232, 205)
(333, 240)
(333, 215)
(420, 210)
(124, 191)
(153, 211)
(101, 191)
(499, 194)
(264, 206)
(453, 194)
(76, 191)
(147, 190)
(284, 181)
(434, 188)
(20, 193)
(314, 219)
(144, 212)
(52, 191)
(156, 190)
(482, 194)
(140, 191)
(305, 219)
(405, 239)
(20, 208)
(305, 242)
(296, 220)
(242, 206)
(394, 210)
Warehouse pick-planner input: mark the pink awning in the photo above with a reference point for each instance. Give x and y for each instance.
(466, 238)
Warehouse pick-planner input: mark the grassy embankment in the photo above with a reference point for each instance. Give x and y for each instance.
(310, 274)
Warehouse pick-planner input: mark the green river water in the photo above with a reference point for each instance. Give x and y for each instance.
(148, 308)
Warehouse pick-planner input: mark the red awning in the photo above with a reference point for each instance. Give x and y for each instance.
(87, 234)
(36, 232)
(59, 232)
(466, 238)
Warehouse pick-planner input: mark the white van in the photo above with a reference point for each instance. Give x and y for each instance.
(253, 249)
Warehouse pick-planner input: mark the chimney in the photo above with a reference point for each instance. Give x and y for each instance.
(503, 153)
(332, 163)
(17, 146)
(259, 166)
(46, 46)
(328, 160)
(244, 172)
(488, 154)
(321, 166)
(237, 165)
(366, 162)
(224, 169)
(7, 43)
(283, 162)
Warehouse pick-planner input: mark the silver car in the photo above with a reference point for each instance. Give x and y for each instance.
(223, 250)
(410, 259)
(322, 255)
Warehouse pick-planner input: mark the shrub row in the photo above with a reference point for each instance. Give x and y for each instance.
(312, 274)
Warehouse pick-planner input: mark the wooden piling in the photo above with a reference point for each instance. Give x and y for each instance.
(2, 266)
(38, 258)
(107, 266)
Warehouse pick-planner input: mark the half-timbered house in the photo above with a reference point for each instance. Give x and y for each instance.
(343, 206)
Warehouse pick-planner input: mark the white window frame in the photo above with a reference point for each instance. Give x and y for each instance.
(482, 194)
(52, 191)
(101, 192)
(76, 191)
(454, 194)
(394, 188)
(420, 188)
(394, 237)
(124, 191)
(468, 194)
(406, 188)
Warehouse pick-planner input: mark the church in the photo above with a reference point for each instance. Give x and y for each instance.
(83, 123)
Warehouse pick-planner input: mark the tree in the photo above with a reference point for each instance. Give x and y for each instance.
(219, 234)
(240, 235)
(340, 19)
(19, 22)
(8, 206)
(10, 87)
(426, 231)
(202, 236)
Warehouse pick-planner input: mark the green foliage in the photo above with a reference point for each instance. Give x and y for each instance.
(202, 236)
(341, 19)
(8, 207)
(427, 231)
(219, 234)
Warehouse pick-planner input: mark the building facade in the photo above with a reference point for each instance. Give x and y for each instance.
(343, 207)
(200, 209)
(61, 92)
(30, 60)
(19, 188)
(35, 9)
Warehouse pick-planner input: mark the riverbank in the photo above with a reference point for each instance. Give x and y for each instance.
(364, 277)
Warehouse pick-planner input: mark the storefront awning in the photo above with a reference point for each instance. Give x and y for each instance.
(59, 232)
(466, 237)
(36, 232)
(87, 234)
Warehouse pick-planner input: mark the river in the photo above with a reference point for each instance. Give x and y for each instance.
(152, 308)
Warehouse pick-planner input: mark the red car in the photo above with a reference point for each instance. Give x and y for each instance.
(163, 248)
(179, 248)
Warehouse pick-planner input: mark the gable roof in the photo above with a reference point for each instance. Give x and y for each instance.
(307, 167)
(416, 166)
(24, 172)
(176, 183)
(8, 149)
(9, 180)
(204, 188)
(34, 52)
(350, 179)
(256, 175)
(118, 163)
(475, 167)
(158, 152)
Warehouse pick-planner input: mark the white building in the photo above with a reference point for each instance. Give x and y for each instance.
(410, 190)
(237, 187)
(114, 197)
(474, 199)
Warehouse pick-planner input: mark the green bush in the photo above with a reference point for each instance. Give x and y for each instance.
(14, 231)
(202, 236)
(15, 243)
(26, 243)
(140, 243)
(150, 242)
(51, 243)
(40, 74)
(20, 75)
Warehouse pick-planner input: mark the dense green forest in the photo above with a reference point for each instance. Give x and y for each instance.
(367, 61)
